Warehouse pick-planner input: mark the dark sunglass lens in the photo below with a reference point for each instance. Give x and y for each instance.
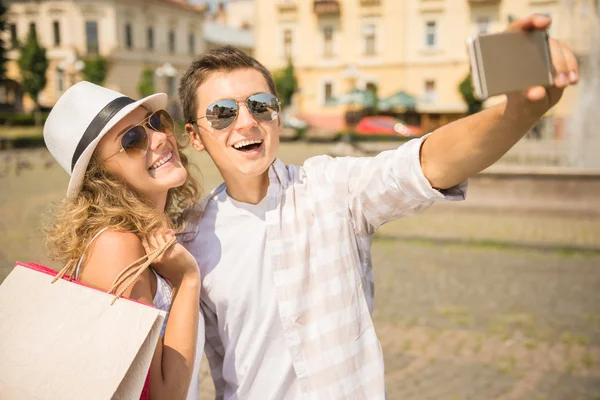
(161, 121)
(135, 141)
(155, 122)
(221, 114)
(264, 106)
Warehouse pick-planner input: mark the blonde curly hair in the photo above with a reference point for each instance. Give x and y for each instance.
(105, 200)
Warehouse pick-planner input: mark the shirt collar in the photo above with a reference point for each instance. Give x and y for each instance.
(278, 176)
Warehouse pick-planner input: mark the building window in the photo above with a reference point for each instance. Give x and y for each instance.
(430, 34)
(91, 34)
(171, 41)
(150, 38)
(430, 94)
(483, 25)
(328, 41)
(327, 92)
(128, 37)
(192, 44)
(287, 43)
(370, 37)
(32, 28)
(60, 80)
(14, 39)
(56, 31)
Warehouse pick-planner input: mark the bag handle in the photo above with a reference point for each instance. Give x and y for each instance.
(129, 274)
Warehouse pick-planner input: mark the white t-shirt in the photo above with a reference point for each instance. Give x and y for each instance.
(237, 285)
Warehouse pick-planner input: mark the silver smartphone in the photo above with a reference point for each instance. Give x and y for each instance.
(510, 61)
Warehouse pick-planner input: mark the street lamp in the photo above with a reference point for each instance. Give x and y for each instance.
(72, 66)
(352, 115)
(168, 71)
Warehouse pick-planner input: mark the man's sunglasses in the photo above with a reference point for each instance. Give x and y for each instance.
(134, 141)
(221, 114)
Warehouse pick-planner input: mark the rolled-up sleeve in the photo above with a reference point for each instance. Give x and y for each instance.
(379, 189)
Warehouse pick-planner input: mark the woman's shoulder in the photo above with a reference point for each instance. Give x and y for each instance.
(115, 250)
(117, 240)
(108, 255)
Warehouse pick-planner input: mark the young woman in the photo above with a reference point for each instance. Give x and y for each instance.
(129, 184)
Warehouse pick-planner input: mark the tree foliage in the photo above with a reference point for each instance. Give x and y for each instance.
(145, 85)
(468, 94)
(286, 83)
(95, 70)
(3, 49)
(33, 65)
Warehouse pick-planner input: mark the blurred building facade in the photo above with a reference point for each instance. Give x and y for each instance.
(414, 47)
(239, 14)
(163, 35)
(231, 23)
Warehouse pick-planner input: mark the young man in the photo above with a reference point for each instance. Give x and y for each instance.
(284, 251)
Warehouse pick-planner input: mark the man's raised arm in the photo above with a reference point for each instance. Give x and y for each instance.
(465, 147)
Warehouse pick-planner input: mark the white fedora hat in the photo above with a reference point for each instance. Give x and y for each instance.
(80, 118)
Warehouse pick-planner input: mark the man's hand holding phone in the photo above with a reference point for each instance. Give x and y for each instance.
(564, 65)
(525, 64)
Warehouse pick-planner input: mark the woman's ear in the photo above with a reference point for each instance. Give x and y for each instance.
(194, 135)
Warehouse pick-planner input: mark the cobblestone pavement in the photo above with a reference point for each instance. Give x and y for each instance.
(463, 322)
(470, 303)
(458, 224)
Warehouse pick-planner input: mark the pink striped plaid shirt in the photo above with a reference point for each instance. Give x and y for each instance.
(320, 225)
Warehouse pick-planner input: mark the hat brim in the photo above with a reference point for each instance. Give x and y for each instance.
(153, 102)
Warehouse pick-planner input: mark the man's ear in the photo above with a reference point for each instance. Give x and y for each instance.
(194, 135)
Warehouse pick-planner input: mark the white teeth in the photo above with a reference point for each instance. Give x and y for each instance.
(243, 143)
(162, 161)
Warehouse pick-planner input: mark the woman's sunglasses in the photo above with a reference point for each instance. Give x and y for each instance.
(221, 114)
(134, 141)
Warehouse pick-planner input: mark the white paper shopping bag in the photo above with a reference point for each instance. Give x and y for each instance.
(64, 340)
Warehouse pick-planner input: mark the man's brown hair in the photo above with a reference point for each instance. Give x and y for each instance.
(220, 59)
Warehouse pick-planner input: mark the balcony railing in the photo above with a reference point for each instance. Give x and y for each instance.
(287, 5)
(370, 3)
(327, 7)
(484, 2)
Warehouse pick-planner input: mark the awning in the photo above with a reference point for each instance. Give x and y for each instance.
(400, 100)
(364, 98)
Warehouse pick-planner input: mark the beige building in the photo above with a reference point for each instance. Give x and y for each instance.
(414, 46)
(232, 23)
(238, 14)
(163, 35)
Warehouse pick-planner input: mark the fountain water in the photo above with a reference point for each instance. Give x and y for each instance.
(584, 135)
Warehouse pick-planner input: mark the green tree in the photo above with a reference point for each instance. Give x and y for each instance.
(33, 64)
(95, 70)
(468, 94)
(145, 85)
(286, 83)
(3, 58)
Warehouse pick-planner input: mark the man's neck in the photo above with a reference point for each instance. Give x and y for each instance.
(249, 190)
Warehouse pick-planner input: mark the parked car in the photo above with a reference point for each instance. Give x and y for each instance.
(290, 121)
(292, 127)
(385, 125)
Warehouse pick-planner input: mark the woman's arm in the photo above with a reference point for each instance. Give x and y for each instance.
(173, 361)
